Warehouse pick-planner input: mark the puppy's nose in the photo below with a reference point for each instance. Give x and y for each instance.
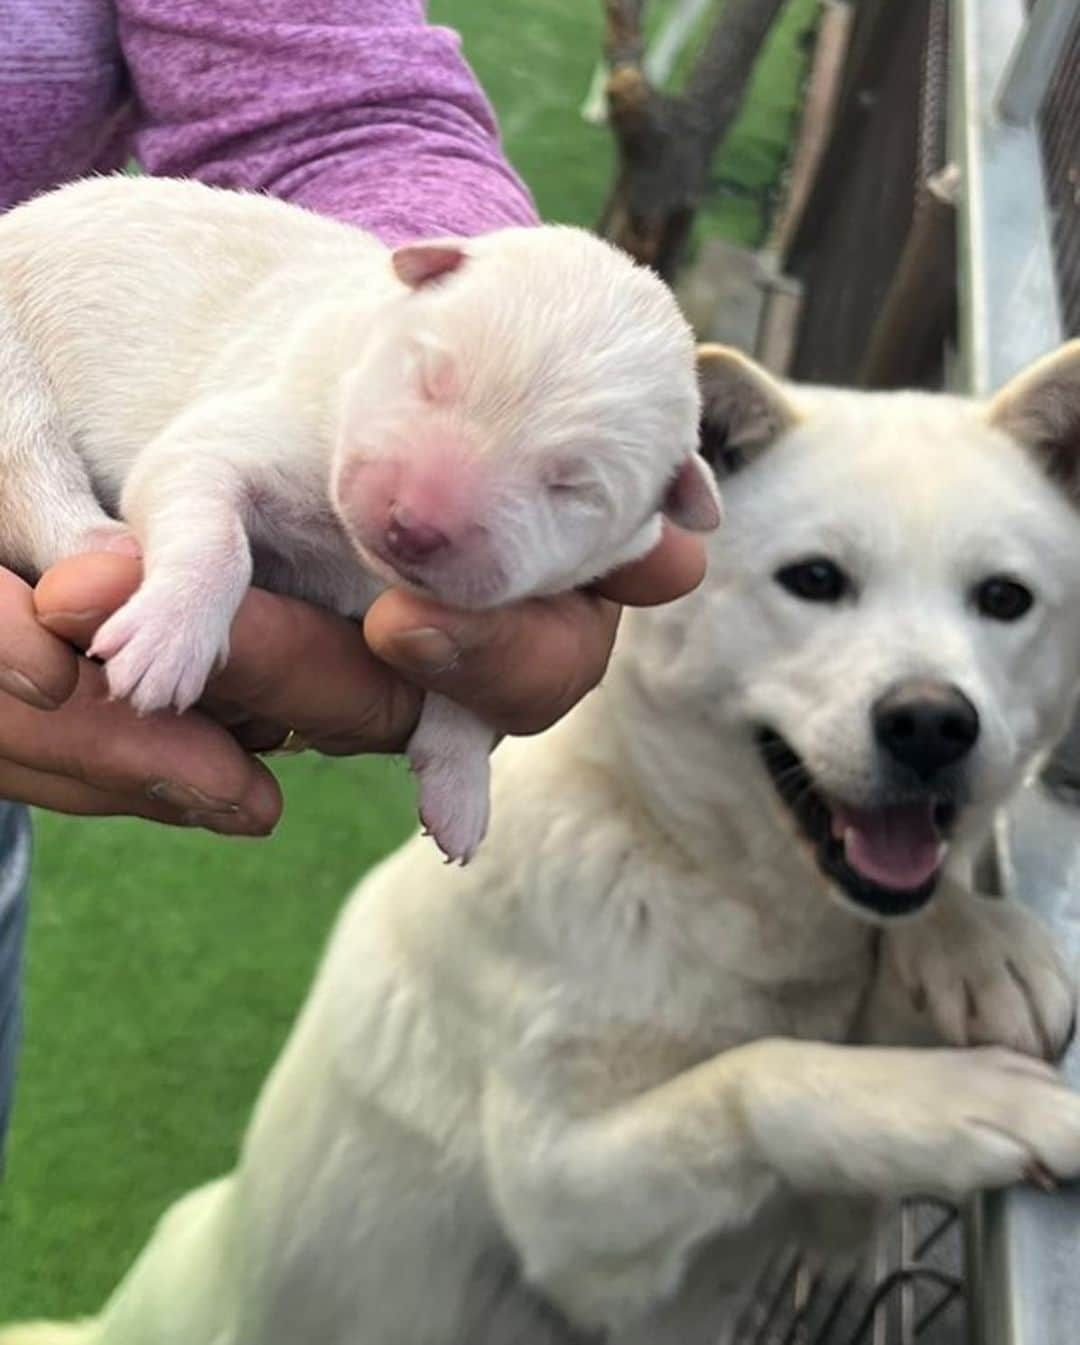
(409, 538)
(925, 725)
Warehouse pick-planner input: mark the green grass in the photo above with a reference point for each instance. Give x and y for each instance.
(536, 61)
(165, 967)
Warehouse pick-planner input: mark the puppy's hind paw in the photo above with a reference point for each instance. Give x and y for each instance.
(453, 809)
(449, 755)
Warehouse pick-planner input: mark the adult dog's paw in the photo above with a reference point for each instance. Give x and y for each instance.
(986, 972)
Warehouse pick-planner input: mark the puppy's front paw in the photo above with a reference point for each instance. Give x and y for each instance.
(160, 651)
(986, 973)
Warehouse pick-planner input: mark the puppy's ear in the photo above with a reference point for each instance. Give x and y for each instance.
(743, 408)
(418, 264)
(1040, 408)
(692, 500)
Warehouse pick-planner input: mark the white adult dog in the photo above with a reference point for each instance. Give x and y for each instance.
(575, 1092)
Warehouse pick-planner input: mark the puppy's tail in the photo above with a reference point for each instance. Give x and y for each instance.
(48, 1333)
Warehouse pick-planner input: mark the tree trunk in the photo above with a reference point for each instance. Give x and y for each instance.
(666, 142)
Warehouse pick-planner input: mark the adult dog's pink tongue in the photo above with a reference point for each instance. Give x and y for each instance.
(893, 847)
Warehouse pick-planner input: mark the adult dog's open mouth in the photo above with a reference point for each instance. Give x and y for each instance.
(888, 859)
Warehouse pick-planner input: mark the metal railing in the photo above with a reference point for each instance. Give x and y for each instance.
(911, 1292)
(933, 86)
(942, 238)
(1025, 1248)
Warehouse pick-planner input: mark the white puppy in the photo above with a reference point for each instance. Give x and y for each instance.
(259, 392)
(579, 1090)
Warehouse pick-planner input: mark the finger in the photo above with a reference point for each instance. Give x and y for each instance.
(674, 567)
(256, 735)
(35, 666)
(61, 794)
(520, 668)
(298, 666)
(188, 763)
(74, 596)
(290, 662)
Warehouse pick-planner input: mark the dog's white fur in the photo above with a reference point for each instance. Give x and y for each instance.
(254, 389)
(577, 1091)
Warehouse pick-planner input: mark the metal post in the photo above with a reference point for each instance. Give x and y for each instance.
(1035, 60)
(1026, 1243)
(1009, 308)
(1025, 1246)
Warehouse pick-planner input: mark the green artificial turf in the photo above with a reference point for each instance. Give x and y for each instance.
(536, 61)
(165, 967)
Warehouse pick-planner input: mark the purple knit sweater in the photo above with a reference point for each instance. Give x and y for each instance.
(354, 108)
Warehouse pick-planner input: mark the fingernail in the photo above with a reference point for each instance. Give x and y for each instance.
(188, 798)
(425, 650)
(227, 824)
(17, 684)
(124, 544)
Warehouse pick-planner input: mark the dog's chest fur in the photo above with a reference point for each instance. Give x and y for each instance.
(563, 948)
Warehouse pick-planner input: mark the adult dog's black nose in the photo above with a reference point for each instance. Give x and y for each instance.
(925, 725)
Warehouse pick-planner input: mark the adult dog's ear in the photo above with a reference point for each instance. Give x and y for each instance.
(1040, 408)
(743, 408)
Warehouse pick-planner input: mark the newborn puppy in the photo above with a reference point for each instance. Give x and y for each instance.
(258, 393)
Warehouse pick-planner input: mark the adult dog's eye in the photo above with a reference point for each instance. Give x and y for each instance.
(1002, 599)
(815, 580)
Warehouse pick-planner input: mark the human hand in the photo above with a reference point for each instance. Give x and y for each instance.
(521, 668)
(65, 746)
(292, 666)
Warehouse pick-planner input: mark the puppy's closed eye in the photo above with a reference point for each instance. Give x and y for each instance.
(569, 483)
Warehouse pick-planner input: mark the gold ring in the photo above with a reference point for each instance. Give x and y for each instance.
(289, 746)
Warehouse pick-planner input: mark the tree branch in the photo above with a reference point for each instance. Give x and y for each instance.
(623, 40)
(719, 79)
(666, 143)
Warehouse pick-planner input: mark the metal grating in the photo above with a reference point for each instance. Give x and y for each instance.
(913, 1295)
(1061, 155)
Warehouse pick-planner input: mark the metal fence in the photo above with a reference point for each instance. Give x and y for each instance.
(1061, 151)
(877, 250)
(941, 246)
(910, 1291)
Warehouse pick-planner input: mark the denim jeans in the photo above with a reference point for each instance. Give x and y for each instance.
(14, 872)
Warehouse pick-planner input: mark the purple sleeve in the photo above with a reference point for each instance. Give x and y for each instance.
(354, 108)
